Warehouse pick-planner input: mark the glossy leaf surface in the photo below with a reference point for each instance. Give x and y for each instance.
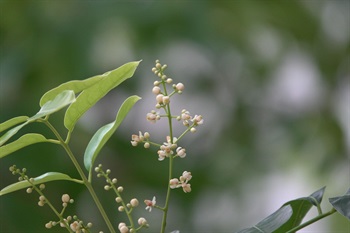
(12, 122)
(25, 140)
(60, 101)
(50, 176)
(11, 132)
(272, 222)
(94, 93)
(296, 209)
(74, 85)
(104, 133)
(342, 204)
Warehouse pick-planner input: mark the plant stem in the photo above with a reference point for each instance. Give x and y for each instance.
(305, 224)
(166, 206)
(83, 177)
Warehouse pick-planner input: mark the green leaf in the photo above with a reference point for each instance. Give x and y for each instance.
(342, 204)
(301, 207)
(50, 176)
(288, 216)
(272, 222)
(4, 138)
(60, 101)
(12, 122)
(74, 85)
(104, 133)
(25, 140)
(88, 97)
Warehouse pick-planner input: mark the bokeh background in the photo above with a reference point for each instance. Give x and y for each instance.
(271, 79)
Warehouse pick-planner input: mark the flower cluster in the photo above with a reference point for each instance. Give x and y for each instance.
(182, 182)
(74, 223)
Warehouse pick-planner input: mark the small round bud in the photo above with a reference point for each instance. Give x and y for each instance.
(120, 189)
(154, 69)
(24, 170)
(97, 169)
(164, 66)
(146, 135)
(158, 106)
(124, 229)
(42, 186)
(166, 99)
(118, 199)
(156, 83)
(107, 187)
(71, 201)
(121, 208)
(158, 65)
(89, 225)
(65, 198)
(169, 81)
(142, 221)
(179, 87)
(114, 180)
(41, 203)
(156, 90)
(134, 202)
(64, 204)
(128, 205)
(163, 77)
(108, 171)
(146, 145)
(31, 180)
(193, 130)
(29, 190)
(159, 98)
(48, 225)
(41, 198)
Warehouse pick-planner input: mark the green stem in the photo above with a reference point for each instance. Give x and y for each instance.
(166, 206)
(305, 224)
(84, 178)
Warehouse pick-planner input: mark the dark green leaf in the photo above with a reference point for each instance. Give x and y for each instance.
(88, 97)
(104, 133)
(272, 222)
(50, 176)
(342, 204)
(296, 210)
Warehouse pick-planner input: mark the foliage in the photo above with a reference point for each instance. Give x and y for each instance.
(289, 218)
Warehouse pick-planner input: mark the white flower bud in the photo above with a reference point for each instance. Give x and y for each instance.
(156, 90)
(65, 198)
(180, 87)
(159, 98)
(134, 202)
(118, 199)
(166, 99)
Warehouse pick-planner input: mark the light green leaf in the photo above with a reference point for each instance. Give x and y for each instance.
(104, 133)
(12, 122)
(60, 101)
(11, 132)
(74, 85)
(94, 93)
(25, 140)
(50, 176)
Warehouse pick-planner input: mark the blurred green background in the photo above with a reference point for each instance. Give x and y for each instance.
(271, 79)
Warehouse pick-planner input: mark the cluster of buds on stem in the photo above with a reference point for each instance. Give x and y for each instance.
(126, 207)
(73, 222)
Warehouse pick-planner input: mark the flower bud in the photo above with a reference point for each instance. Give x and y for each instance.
(134, 202)
(179, 87)
(65, 198)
